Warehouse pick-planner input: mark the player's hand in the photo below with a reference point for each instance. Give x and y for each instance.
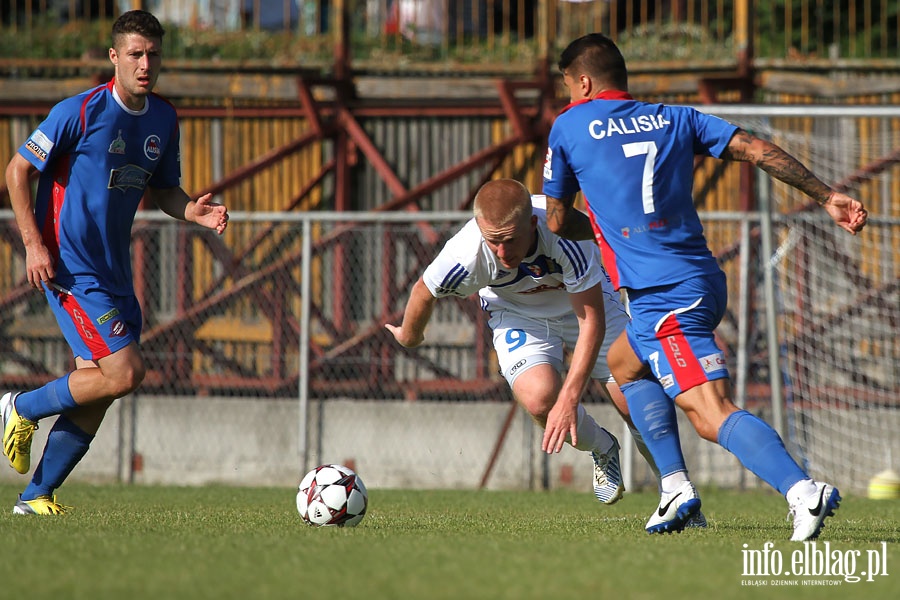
(39, 266)
(847, 212)
(210, 214)
(562, 421)
(404, 337)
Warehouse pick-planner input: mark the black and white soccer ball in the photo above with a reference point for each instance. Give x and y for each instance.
(332, 495)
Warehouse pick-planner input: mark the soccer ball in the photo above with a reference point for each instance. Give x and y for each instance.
(332, 495)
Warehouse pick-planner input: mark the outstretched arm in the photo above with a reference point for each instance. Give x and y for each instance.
(411, 332)
(563, 417)
(847, 212)
(177, 204)
(566, 221)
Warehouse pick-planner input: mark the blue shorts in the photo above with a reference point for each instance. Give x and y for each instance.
(94, 322)
(672, 330)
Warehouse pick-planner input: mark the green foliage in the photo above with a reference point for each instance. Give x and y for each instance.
(819, 28)
(223, 542)
(808, 27)
(48, 39)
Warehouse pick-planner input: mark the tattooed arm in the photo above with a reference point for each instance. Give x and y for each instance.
(566, 221)
(847, 212)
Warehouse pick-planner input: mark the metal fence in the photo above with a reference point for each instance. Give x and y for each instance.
(497, 30)
(273, 334)
(280, 361)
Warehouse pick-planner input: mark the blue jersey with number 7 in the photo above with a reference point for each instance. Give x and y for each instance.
(634, 163)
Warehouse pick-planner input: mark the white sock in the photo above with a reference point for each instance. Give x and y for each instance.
(670, 482)
(800, 491)
(590, 435)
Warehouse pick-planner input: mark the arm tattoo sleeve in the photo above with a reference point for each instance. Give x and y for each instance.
(779, 164)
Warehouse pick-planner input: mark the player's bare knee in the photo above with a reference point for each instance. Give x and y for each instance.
(129, 378)
(700, 421)
(537, 408)
(708, 431)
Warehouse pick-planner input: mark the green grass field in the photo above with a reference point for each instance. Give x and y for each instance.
(249, 543)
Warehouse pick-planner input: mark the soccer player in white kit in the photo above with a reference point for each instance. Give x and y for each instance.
(544, 294)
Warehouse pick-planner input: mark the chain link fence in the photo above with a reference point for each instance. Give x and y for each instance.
(268, 355)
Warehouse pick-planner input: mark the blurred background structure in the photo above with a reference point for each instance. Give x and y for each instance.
(348, 137)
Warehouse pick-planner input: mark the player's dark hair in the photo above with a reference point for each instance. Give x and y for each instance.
(137, 21)
(597, 56)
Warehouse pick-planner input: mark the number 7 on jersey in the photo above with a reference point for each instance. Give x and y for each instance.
(648, 150)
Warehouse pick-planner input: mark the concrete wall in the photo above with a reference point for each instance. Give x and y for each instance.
(391, 444)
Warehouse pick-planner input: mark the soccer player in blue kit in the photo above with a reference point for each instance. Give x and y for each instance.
(98, 154)
(633, 161)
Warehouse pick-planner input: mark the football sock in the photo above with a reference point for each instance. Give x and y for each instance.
(653, 415)
(670, 482)
(52, 399)
(760, 449)
(590, 435)
(645, 452)
(66, 446)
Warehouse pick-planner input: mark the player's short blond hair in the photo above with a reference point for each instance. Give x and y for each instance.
(502, 201)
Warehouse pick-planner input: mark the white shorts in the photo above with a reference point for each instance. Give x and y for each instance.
(523, 342)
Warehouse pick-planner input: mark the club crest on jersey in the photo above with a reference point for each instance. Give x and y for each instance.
(129, 176)
(543, 265)
(118, 145)
(151, 147)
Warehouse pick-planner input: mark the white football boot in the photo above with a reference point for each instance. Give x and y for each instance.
(810, 512)
(675, 510)
(608, 486)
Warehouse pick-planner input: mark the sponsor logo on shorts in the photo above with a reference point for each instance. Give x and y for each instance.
(39, 145)
(713, 362)
(104, 318)
(151, 147)
(518, 366)
(118, 329)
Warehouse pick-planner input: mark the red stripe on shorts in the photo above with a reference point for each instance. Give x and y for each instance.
(686, 369)
(86, 329)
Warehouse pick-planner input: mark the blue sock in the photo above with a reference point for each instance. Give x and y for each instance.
(52, 399)
(760, 449)
(653, 415)
(66, 446)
